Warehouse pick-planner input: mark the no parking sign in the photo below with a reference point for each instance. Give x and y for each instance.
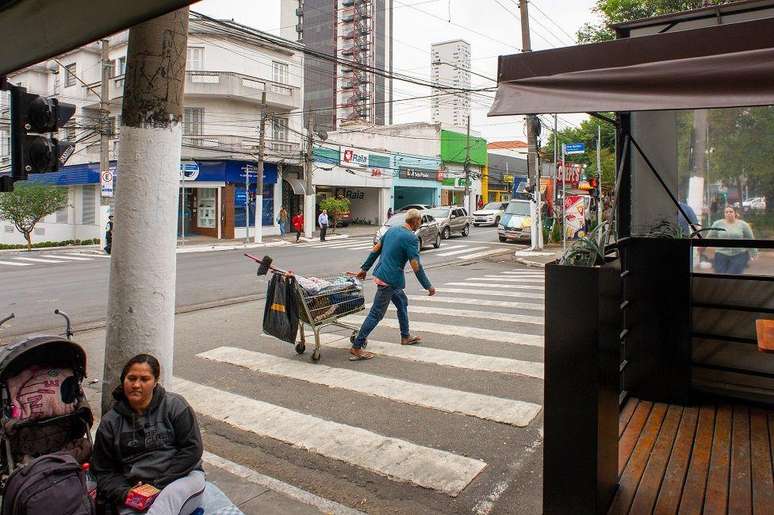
(106, 180)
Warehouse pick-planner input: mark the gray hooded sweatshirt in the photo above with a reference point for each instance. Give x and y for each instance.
(160, 446)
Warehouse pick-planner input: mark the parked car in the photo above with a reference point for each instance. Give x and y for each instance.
(490, 214)
(754, 204)
(516, 223)
(405, 208)
(451, 220)
(428, 233)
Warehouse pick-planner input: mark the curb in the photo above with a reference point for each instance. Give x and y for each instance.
(531, 264)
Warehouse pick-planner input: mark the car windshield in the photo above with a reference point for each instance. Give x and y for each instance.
(396, 220)
(493, 206)
(518, 208)
(439, 212)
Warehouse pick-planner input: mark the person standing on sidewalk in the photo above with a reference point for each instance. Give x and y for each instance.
(732, 260)
(298, 224)
(109, 235)
(322, 220)
(398, 246)
(282, 220)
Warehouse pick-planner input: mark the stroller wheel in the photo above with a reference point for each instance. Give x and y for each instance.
(300, 348)
(316, 355)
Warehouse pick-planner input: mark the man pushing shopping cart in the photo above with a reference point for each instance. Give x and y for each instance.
(398, 246)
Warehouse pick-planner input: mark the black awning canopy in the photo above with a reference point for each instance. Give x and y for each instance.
(720, 66)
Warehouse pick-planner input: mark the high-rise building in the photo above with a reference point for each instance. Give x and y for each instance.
(451, 67)
(346, 84)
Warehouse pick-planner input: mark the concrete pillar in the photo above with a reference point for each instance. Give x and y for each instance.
(141, 302)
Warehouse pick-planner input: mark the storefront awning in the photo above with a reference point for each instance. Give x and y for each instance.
(721, 66)
(297, 185)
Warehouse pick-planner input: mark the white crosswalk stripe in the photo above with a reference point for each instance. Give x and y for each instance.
(475, 292)
(523, 272)
(444, 248)
(508, 286)
(509, 279)
(531, 340)
(68, 257)
(40, 260)
(14, 263)
(534, 306)
(462, 313)
(397, 459)
(506, 411)
(90, 254)
(448, 358)
(485, 253)
(456, 252)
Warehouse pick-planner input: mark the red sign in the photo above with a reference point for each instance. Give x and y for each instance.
(573, 171)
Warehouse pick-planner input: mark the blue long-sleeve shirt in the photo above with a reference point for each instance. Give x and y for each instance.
(399, 246)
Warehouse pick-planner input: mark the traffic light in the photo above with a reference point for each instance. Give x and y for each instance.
(33, 118)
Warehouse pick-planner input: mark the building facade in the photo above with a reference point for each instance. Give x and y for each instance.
(226, 79)
(450, 66)
(347, 76)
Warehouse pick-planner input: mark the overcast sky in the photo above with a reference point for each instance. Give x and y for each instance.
(490, 26)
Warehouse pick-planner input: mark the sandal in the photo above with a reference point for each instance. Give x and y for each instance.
(412, 340)
(361, 356)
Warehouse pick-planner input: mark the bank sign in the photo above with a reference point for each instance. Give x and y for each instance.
(421, 174)
(353, 157)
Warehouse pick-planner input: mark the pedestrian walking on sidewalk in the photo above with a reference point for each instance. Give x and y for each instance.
(398, 246)
(322, 220)
(282, 221)
(732, 260)
(298, 224)
(109, 235)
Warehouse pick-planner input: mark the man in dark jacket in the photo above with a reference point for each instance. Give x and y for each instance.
(158, 447)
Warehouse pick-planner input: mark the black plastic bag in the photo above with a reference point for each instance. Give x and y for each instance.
(280, 314)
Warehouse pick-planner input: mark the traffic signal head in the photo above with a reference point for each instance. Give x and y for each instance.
(32, 119)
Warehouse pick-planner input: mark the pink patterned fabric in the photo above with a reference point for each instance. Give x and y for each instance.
(38, 393)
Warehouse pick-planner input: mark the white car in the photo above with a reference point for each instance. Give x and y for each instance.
(490, 214)
(755, 204)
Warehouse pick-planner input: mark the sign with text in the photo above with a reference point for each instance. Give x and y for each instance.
(574, 148)
(572, 171)
(189, 171)
(106, 182)
(421, 174)
(354, 157)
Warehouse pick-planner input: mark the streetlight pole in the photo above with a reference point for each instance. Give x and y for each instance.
(259, 185)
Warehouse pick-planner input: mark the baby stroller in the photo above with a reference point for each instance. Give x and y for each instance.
(43, 408)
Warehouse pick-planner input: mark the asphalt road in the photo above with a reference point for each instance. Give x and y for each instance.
(35, 284)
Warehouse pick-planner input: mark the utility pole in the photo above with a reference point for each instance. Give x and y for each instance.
(531, 120)
(466, 200)
(141, 300)
(556, 163)
(104, 137)
(308, 183)
(259, 186)
(599, 175)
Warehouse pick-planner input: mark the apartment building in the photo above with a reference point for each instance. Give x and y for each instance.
(450, 66)
(226, 80)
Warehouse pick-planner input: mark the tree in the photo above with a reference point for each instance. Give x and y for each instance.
(29, 203)
(620, 11)
(335, 207)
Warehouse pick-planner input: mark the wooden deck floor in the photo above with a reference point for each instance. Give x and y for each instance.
(692, 460)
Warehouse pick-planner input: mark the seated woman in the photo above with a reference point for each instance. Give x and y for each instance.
(149, 436)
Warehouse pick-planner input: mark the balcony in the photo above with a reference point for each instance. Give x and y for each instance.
(232, 85)
(212, 145)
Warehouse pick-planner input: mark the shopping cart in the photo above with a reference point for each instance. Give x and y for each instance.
(321, 301)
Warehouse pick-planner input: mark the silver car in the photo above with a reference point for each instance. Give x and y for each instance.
(451, 220)
(428, 233)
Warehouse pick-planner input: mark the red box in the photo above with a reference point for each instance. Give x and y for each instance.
(141, 497)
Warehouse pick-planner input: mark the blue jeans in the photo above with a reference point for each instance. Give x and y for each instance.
(384, 294)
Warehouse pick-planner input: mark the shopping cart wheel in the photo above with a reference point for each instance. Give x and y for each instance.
(300, 348)
(316, 355)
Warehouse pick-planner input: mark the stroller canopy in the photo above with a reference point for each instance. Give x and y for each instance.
(42, 350)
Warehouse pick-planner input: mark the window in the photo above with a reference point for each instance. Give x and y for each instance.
(70, 75)
(88, 194)
(119, 66)
(193, 121)
(195, 58)
(279, 129)
(5, 144)
(280, 72)
(62, 215)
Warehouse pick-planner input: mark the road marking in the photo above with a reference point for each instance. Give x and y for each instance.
(107, 256)
(40, 260)
(275, 485)
(532, 340)
(506, 411)
(478, 302)
(522, 272)
(440, 357)
(485, 253)
(396, 459)
(511, 278)
(14, 263)
(63, 256)
(486, 315)
(532, 287)
(475, 292)
(431, 251)
(454, 253)
(344, 245)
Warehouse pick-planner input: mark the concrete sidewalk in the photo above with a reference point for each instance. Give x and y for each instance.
(539, 259)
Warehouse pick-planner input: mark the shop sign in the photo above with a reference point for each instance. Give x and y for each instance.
(421, 174)
(189, 171)
(353, 157)
(457, 182)
(573, 172)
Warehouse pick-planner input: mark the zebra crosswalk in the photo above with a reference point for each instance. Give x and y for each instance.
(495, 332)
(61, 258)
(457, 249)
